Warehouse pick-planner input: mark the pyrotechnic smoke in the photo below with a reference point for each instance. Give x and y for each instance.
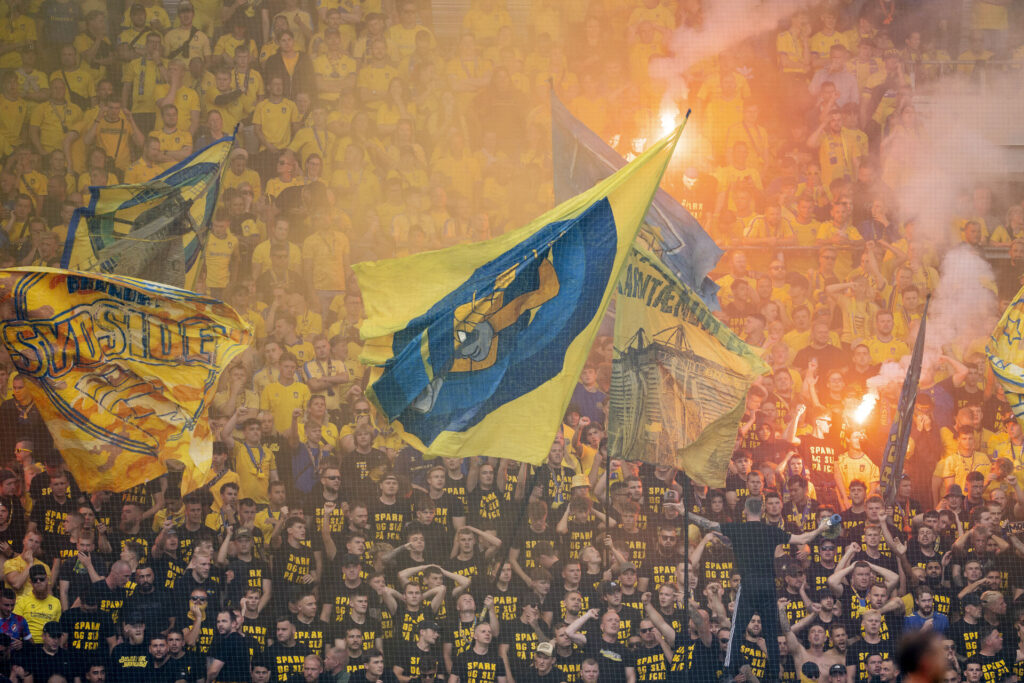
(964, 305)
(726, 23)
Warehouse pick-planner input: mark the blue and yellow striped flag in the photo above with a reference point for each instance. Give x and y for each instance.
(478, 347)
(121, 370)
(153, 230)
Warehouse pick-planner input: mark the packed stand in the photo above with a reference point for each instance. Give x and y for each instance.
(322, 548)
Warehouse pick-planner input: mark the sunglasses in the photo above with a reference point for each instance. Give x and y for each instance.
(333, 477)
(723, 641)
(197, 599)
(39, 579)
(647, 630)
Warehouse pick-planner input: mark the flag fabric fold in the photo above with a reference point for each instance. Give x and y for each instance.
(1005, 352)
(581, 159)
(153, 230)
(121, 370)
(478, 347)
(891, 470)
(679, 376)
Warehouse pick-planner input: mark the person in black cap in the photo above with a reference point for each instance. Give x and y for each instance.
(420, 660)
(837, 673)
(130, 658)
(339, 593)
(48, 658)
(245, 569)
(610, 594)
(754, 542)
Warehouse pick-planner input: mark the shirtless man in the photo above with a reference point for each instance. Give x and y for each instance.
(816, 651)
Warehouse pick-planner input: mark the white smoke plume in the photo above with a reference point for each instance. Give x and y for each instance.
(964, 305)
(726, 23)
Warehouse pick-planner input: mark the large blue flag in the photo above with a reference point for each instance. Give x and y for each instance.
(581, 159)
(478, 347)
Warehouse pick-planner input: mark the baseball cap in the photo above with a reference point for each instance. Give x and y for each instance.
(580, 481)
(389, 475)
(350, 559)
(545, 650)
(972, 599)
(133, 617)
(837, 669)
(53, 629)
(428, 624)
(608, 587)
(955, 492)
(242, 533)
(37, 571)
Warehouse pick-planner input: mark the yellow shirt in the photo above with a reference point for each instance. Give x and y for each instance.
(282, 400)
(328, 253)
(885, 351)
(17, 564)
(20, 30)
(154, 12)
(309, 141)
(198, 46)
(376, 79)
(484, 25)
(218, 259)
(787, 44)
(231, 113)
(12, 121)
(328, 434)
(309, 324)
(229, 179)
(860, 468)
(143, 75)
(959, 467)
(261, 257)
(186, 99)
(334, 70)
(821, 43)
(276, 119)
(54, 122)
(174, 141)
(141, 171)
(303, 350)
(253, 466)
(37, 612)
(81, 81)
(276, 186)
(402, 40)
(838, 154)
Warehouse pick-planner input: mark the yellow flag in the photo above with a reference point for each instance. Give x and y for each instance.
(121, 370)
(479, 346)
(1006, 354)
(679, 377)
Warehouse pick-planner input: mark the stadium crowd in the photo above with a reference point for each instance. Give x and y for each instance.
(322, 549)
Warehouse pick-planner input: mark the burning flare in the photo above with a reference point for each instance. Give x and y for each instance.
(863, 411)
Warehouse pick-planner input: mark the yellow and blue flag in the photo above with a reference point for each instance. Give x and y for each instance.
(479, 346)
(679, 376)
(1006, 354)
(670, 232)
(121, 370)
(153, 230)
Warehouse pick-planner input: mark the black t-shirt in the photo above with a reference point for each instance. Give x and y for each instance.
(119, 540)
(506, 603)
(111, 600)
(857, 655)
(484, 509)
(287, 661)
(752, 655)
(612, 658)
(128, 663)
(418, 663)
(87, 631)
(259, 632)
(290, 564)
(446, 508)
(692, 660)
(650, 663)
(311, 635)
(49, 517)
(388, 520)
(155, 608)
(522, 641)
(472, 667)
(753, 546)
(234, 652)
(531, 675)
(36, 661)
(994, 668)
(245, 575)
(371, 629)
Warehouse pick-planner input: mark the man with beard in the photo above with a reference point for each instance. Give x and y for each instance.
(925, 614)
(162, 668)
(479, 664)
(151, 602)
(229, 655)
(421, 659)
(602, 645)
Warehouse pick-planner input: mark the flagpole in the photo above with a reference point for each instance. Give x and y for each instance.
(607, 509)
(687, 488)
